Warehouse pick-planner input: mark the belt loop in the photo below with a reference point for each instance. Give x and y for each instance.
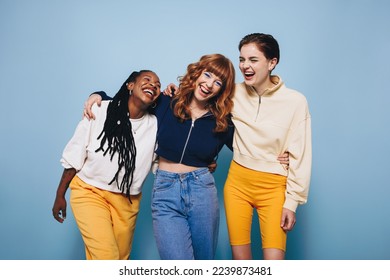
(194, 174)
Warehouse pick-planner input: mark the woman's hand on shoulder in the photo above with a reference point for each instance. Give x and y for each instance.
(170, 90)
(92, 99)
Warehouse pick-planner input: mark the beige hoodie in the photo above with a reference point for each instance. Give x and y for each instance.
(267, 126)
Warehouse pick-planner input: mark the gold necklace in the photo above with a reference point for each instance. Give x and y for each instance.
(136, 121)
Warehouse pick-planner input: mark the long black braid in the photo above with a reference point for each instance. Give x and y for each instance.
(117, 131)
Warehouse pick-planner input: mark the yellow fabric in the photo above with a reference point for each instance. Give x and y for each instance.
(106, 220)
(246, 189)
(266, 126)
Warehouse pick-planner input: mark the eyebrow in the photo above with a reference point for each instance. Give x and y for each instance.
(148, 76)
(251, 57)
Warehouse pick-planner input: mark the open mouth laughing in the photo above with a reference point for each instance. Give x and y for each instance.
(149, 91)
(205, 90)
(249, 74)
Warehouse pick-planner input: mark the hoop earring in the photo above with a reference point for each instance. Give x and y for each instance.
(153, 105)
(130, 92)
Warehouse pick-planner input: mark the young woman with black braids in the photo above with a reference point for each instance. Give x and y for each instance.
(106, 162)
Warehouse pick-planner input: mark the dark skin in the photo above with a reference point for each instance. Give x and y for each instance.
(137, 105)
(59, 207)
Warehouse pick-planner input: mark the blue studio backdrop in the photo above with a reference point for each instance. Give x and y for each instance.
(54, 53)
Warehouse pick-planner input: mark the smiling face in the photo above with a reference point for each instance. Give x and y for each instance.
(254, 66)
(146, 88)
(207, 86)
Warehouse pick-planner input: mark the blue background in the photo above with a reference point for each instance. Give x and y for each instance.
(54, 53)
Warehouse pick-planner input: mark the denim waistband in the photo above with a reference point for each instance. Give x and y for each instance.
(174, 175)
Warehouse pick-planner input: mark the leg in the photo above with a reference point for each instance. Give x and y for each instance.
(93, 218)
(124, 216)
(170, 224)
(203, 215)
(270, 199)
(242, 252)
(273, 254)
(239, 211)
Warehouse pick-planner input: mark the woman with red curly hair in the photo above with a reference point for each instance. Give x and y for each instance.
(193, 127)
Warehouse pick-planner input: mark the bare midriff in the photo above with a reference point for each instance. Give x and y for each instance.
(174, 167)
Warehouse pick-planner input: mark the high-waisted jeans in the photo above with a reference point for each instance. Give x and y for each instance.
(185, 213)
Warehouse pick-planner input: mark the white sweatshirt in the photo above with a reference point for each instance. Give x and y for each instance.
(98, 170)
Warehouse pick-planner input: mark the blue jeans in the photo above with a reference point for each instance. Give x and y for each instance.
(185, 213)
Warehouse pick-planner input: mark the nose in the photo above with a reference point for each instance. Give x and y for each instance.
(153, 85)
(209, 83)
(245, 64)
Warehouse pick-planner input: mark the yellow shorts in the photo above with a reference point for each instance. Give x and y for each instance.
(106, 220)
(246, 189)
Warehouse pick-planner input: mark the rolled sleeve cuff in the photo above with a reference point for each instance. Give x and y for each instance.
(291, 204)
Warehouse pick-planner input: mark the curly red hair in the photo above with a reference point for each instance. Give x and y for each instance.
(219, 105)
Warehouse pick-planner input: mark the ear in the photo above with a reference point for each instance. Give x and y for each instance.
(272, 64)
(130, 86)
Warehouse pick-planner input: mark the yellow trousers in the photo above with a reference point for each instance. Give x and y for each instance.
(106, 220)
(246, 189)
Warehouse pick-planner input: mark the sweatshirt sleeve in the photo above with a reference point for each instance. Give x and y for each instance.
(75, 152)
(300, 149)
(103, 95)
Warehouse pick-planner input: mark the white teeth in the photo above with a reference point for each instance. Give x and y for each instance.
(149, 91)
(204, 90)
